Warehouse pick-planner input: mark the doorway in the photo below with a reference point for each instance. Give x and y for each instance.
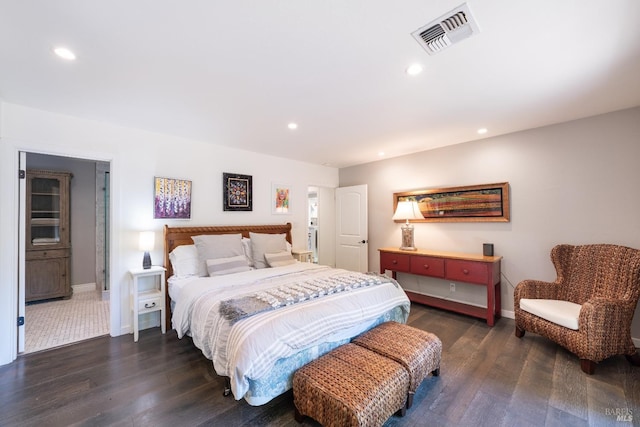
(51, 323)
(312, 239)
(321, 214)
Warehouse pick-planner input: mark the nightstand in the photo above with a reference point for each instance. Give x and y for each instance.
(301, 255)
(146, 298)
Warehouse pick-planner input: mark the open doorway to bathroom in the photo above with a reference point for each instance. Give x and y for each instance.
(321, 223)
(52, 322)
(312, 241)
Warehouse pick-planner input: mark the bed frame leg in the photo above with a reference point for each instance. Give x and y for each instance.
(227, 386)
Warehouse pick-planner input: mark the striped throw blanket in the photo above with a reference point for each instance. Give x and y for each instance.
(292, 293)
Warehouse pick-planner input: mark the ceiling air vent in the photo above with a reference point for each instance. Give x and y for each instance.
(450, 28)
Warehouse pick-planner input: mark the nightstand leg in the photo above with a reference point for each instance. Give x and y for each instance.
(135, 326)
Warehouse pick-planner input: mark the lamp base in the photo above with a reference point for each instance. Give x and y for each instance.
(407, 238)
(146, 261)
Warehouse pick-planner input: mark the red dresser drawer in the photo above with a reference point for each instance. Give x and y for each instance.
(395, 262)
(427, 266)
(467, 271)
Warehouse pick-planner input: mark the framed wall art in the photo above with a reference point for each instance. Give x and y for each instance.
(237, 192)
(280, 199)
(473, 203)
(171, 198)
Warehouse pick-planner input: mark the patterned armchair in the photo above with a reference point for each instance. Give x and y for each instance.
(594, 296)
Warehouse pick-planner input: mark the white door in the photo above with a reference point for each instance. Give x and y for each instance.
(352, 228)
(22, 191)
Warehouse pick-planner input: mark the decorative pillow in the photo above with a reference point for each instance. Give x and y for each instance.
(246, 245)
(234, 264)
(279, 259)
(185, 262)
(216, 246)
(262, 243)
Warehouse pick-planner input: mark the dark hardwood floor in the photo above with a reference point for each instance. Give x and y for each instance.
(488, 378)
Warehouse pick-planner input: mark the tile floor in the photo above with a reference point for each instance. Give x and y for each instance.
(56, 323)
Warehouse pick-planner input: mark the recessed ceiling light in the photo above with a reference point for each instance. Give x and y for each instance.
(482, 131)
(64, 53)
(414, 69)
(292, 126)
(381, 153)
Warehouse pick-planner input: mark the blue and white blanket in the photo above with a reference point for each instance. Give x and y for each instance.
(249, 348)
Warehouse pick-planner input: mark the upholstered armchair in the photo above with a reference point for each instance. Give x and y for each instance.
(589, 308)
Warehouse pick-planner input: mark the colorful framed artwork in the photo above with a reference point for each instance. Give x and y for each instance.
(280, 199)
(171, 198)
(237, 192)
(473, 203)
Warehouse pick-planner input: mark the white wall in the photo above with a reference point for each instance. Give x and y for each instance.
(574, 182)
(136, 157)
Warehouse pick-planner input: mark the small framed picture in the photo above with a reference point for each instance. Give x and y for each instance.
(237, 192)
(172, 198)
(280, 199)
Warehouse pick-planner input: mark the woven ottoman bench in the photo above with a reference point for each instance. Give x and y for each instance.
(350, 386)
(417, 350)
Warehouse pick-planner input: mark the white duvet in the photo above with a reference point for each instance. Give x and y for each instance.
(250, 348)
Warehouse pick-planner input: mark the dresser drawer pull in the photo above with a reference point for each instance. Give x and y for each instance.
(395, 261)
(426, 266)
(465, 271)
(147, 305)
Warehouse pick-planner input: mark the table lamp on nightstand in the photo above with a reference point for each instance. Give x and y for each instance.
(146, 243)
(407, 210)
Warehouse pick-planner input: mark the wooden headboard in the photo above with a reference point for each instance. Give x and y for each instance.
(178, 236)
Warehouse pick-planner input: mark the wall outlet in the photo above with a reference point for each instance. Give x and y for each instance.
(452, 287)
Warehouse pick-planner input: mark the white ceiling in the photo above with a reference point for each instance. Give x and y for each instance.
(237, 72)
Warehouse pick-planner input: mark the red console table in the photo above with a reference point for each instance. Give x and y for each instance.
(459, 267)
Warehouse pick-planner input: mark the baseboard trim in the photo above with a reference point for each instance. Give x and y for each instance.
(84, 287)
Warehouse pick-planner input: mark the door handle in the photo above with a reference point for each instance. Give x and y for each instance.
(362, 241)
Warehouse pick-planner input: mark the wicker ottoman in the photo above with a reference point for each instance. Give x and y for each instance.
(417, 350)
(350, 386)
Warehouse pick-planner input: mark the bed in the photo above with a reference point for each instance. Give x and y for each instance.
(260, 324)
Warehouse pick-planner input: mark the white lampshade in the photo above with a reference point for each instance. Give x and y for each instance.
(147, 241)
(407, 210)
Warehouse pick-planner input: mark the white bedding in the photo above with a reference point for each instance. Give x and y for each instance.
(250, 348)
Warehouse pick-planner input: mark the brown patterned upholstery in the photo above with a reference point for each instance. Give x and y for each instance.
(350, 386)
(417, 350)
(605, 280)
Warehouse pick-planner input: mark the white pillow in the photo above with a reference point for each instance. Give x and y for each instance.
(185, 262)
(266, 243)
(279, 259)
(214, 246)
(246, 245)
(234, 264)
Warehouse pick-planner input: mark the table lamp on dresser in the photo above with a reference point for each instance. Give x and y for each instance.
(407, 210)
